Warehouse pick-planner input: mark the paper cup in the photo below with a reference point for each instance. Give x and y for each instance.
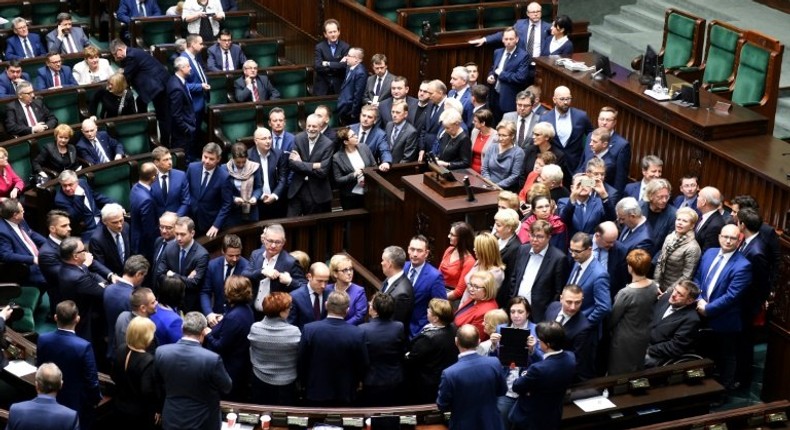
(231, 417)
(265, 422)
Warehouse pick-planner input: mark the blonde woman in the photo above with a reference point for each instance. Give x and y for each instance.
(341, 269)
(486, 248)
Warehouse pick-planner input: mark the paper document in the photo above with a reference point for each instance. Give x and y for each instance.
(20, 368)
(592, 404)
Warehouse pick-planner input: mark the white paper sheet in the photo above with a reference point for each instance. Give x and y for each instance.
(592, 404)
(20, 368)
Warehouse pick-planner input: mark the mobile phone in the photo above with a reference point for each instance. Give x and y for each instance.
(587, 182)
(524, 207)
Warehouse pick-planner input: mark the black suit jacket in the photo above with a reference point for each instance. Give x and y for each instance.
(403, 293)
(579, 338)
(758, 254)
(305, 178)
(49, 158)
(386, 344)
(455, 150)
(343, 170)
(708, 235)
(86, 290)
(105, 250)
(16, 117)
(277, 169)
(549, 281)
(196, 259)
(509, 256)
(329, 78)
(674, 335)
(285, 263)
(266, 90)
(145, 74)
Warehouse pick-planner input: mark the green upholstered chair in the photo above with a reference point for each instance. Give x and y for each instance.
(65, 103)
(19, 156)
(219, 92)
(291, 115)
(502, 16)
(683, 40)
(722, 54)
(389, 8)
(232, 122)
(266, 51)
(114, 181)
(413, 21)
(459, 20)
(291, 81)
(149, 31)
(241, 24)
(46, 11)
(752, 72)
(11, 10)
(136, 132)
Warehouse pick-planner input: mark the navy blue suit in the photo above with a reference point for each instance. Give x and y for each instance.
(178, 199)
(182, 114)
(210, 206)
(7, 87)
(44, 79)
(128, 9)
(144, 221)
(77, 283)
(386, 345)
(580, 338)
(149, 78)
(522, 30)
(216, 57)
(82, 218)
(105, 249)
(466, 102)
(13, 249)
(277, 169)
(549, 281)
(617, 160)
(214, 285)
(428, 285)
(639, 238)
(469, 390)
(329, 78)
(594, 283)
(196, 259)
(581, 127)
(229, 339)
(15, 51)
(195, 85)
(285, 263)
(586, 219)
(679, 200)
(512, 79)
(385, 111)
(759, 256)
(349, 101)
(429, 126)
(661, 224)
(333, 344)
(49, 262)
(74, 357)
(725, 303)
(376, 140)
(632, 189)
(116, 301)
(88, 152)
(541, 392)
(302, 306)
(287, 141)
(42, 413)
(617, 268)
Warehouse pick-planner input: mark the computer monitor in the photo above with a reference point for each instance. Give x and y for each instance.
(602, 66)
(649, 66)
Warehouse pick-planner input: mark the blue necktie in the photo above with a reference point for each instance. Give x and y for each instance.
(711, 272)
(412, 275)
(384, 286)
(333, 46)
(181, 260)
(228, 271)
(119, 243)
(277, 143)
(205, 181)
(575, 276)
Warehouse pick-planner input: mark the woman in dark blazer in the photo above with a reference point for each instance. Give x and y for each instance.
(136, 396)
(229, 337)
(432, 351)
(56, 157)
(116, 100)
(558, 43)
(386, 345)
(506, 222)
(347, 165)
(455, 147)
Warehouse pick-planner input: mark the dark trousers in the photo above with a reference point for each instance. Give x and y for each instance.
(268, 394)
(303, 204)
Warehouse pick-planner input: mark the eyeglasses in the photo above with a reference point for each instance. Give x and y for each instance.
(80, 251)
(564, 99)
(473, 287)
(26, 93)
(577, 251)
(346, 270)
(725, 237)
(274, 242)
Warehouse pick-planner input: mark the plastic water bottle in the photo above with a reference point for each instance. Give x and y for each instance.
(657, 88)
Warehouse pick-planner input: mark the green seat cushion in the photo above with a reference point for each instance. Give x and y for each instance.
(19, 158)
(64, 107)
(237, 123)
(113, 182)
(264, 53)
(461, 20)
(239, 26)
(752, 72)
(720, 61)
(133, 135)
(28, 301)
(499, 17)
(291, 84)
(680, 40)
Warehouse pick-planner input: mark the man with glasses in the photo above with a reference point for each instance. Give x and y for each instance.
(611, 254)
(212, 296)
(523, 118)
(724, 274)
(271, 269)
(19, 245)
(11, 78)
(28, 115)
(570, 124)
(592, 277)
(84, 287)
(187, 260)
(580, 335)
(54, 74)
(225, 56)
(23, 44)
(254, 87)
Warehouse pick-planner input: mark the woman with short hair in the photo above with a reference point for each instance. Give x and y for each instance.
(115, 100)
(341, 269)
(136, 396)
(347, 166)
(503, 164)
(482, 292)
(57, 156)
(247, 189)
(483, 136)
(432, 351)
(680, 253)
(93, 68)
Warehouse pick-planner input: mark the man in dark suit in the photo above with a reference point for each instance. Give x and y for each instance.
(330, 60)
(592, 277)
(675, 324)
(524, 119)
(67, 39)
(11, 78)
(272, 270)
(402, 137)
(374, 137)
(429, 125)
(81, 203)
(598, 146)
(23, 44)
(98, 147)
(128, 9)
(143, 231)
(170, 190)
(470, 387)
(254, 87)
(324, 114)
(724, 276)
(332, 343)
(149, 78)
(352, 89)
(542, 386)
(44, 412)
(196, 81)
(571, 126)
(660, 214)
(310, 161)
(167, 226)
(187, 260)
(282, 140)
(209, 191)
(635, 233)
(461, 91)
(707, 230)
(508, 73)
(585, 209)
(479, 101)
(427, 281)
(225, 55)
(181, 108)
(580, 335)
(652, 168)
(193, 379)
(19, 245)
(212, 295)
(596, 169)
(689, 190)
(398, 285)
(540, 271)
(110, 243)
(59, 227)
(118, 298)
(28, 115)
(379, 83)
(274, 174)
(399, 91)
(309, 301)
(611, 254)
(54, 74)
(617, 152)
(74, 356)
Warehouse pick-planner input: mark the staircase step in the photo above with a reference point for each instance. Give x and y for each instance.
(621, 24)
(644, 19)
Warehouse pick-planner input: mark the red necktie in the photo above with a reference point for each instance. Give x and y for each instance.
(29, 241)
(57, 79)
(255, 95)
(30, 117)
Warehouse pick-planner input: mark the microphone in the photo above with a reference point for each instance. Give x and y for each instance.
(596, 75)
(470, 195)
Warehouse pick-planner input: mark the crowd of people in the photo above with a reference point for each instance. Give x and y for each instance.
(603, 276)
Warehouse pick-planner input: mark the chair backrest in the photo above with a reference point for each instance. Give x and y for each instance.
(65, 103)
(136, 132)
(413, 21)
(19, 157)
(752, 71)
(682, 39)
(722, 50)
(236, 123)
(389, 8)
(46, 11)
(149, 31)
(114, 182)
(461, 20)
(219, 92)
(291, 81)
(241, 24)
(499, 16)
(266, 51)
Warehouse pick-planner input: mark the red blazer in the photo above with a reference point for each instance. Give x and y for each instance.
(10, 181)
(474, 315)
(454, 273)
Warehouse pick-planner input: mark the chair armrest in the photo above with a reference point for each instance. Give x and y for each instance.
(226, 143)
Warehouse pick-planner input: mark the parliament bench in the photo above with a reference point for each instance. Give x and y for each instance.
(771, 415)
(389, 8)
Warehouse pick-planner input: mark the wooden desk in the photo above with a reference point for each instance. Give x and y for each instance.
(732, 152)
(749, 417)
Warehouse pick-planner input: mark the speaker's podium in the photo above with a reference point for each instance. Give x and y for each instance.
(403, 202)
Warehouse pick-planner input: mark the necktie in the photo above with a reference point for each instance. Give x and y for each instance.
(384, 286)
(228, 271)
(316, 306)
(435, 109)
(625, 233)
(56, 78)
(255, 94)
(141, 8)
(412, 275)
(277, 142)
(597, 254)
(187, 91)
(205, 181)
(362, 137)
(332, 47)
(743, 246)
(28, 49)
(378, 86)
(181, 260)
(30, 117)
(119, 244)
(712, 273)
(522, 128)
(161, 249)
(531, 39)
(70, 46)
(100, 151)
(575, 276)
(395, 132)
(29, 241)
(561, 318)
(200, 71)
(164, 187)
(507, 57)
(227, 61)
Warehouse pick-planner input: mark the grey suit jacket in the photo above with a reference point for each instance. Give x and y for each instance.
(384, 92)
(513, 116)
(405, 148)
(78, 36)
